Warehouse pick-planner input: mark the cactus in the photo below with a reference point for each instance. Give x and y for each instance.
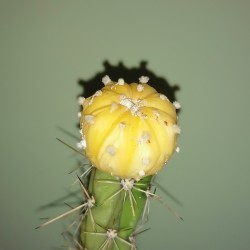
(128, 133)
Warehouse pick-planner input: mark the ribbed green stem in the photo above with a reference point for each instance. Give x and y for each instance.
(115, 209)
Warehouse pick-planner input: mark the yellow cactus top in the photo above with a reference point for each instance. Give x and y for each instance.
(128, 130)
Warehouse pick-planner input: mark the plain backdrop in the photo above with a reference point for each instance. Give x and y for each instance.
(201, 46)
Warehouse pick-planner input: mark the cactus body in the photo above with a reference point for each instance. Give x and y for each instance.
(128, 130)
(128, 133)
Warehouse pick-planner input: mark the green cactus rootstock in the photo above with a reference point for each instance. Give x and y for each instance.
(118, 209)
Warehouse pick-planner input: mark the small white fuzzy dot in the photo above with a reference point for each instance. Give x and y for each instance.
(134, 109)
(177, 149)
(81, 132)
(145, 161)
(111, 234)
(163, 97)
(82, 144)
(111, 150)
(127, 184)
(98, 93)
(113, 106)
(177, 105)
(122, 125)
(79, 114)
(89, 119)
(121, 81)
(145, 137)
(143, 79)
(143, 103)
(81, 100)
(141, 173)
(176, 129)
(106, 80)
(122, 97)
(156, 113)
(127, 103)
(140, 87)
(141, 115)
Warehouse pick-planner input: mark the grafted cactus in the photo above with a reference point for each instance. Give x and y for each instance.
(128, 132)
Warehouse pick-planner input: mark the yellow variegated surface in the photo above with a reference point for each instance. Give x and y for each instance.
(128, 130)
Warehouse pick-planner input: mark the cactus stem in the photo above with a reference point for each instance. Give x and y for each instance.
(112, 196)
(126, 185)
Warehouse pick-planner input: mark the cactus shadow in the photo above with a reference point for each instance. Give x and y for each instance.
(90, 86)
(60, 202)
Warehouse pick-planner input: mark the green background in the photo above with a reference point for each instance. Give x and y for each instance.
(202, 46)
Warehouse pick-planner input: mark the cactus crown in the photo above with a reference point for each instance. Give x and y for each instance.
(128, 130)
